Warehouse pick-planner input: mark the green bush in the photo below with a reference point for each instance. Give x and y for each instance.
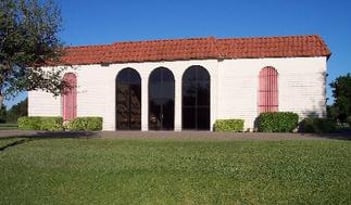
(229, 125)
(56, 123)
(348, 120)
(85, 124)
(317, 125)
(40, 123)
(51, 123)
(29, 123)
(277, 122)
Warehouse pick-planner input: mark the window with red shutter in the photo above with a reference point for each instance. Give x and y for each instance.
(268, 90)
(69, 97)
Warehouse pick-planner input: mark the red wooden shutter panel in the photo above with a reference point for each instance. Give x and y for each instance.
(69, 97)
(268, 90)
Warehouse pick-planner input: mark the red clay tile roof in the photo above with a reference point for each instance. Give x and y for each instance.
(197, 48)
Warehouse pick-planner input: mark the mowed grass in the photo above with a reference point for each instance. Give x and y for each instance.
(163, 171)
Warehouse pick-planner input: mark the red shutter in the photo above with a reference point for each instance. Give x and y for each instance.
(268, 90)
(69, 98)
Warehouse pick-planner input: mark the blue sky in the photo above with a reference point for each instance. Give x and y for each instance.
(105, 21)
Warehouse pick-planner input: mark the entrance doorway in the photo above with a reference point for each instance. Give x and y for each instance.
(196, 99)
(128, 100)
(161, 99)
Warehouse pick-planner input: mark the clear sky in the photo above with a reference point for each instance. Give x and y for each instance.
(88, 22)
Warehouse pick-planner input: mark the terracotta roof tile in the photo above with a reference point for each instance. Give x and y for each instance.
(197, 48)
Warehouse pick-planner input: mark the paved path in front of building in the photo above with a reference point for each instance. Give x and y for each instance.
(184, 135)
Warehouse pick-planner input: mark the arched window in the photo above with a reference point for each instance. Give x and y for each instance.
(161, 99)
(268, 90)
(69, 97)
(128, 100)
(196, 99)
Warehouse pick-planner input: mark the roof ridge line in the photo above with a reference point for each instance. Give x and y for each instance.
(160, 40)
(193, 38)
(199, 48)
(272, 37)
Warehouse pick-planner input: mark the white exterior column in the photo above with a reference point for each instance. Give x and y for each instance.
(178, 104)
(214, 93)
(144, 103)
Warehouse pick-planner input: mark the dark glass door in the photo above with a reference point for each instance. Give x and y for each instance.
(161, 99)
(128, 100)
(196, 99)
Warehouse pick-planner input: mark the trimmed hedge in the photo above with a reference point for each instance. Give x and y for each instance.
(40, 123)
(56, 123)
(277, 121)
(317, 125)
(85, 124)
(229, 125)
(29, 123)
(51, 123)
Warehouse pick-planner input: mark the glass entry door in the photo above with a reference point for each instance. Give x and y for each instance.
(196, 99)
(128, 100)
(161, 100)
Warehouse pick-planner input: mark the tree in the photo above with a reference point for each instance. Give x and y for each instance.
(341, 108)
(28, 42)
(3, 114)
(16, 111)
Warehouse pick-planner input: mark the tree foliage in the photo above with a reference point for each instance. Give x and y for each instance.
(28, 41)
(341, 88)
(16, 111)
(3, 114)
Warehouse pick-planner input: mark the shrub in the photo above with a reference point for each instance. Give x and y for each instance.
(40, 123)
(229, 125)
(348, 120)
(277, 122)
(51, 123)
(317, 125)
(29, 123)
(85, 123)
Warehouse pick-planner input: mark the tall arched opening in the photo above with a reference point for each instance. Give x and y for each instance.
(69, 97)
(161, 99)
(196, 95)
(128, 100)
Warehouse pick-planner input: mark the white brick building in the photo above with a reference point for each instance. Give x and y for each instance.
(189, 83)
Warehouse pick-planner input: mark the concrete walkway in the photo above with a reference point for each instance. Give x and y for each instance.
(186, 135)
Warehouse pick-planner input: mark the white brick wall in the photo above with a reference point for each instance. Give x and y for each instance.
(234, 85)
(301, 86)
(43, 104)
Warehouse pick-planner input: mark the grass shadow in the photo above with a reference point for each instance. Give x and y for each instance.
(64, 134)
(31, 136)
(333, 136)
(13, 144)
(48, 134)
(341, 135)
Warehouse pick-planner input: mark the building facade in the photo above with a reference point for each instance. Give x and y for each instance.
(187, 84)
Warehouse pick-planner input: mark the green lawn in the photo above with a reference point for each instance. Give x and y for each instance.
(160, 171)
